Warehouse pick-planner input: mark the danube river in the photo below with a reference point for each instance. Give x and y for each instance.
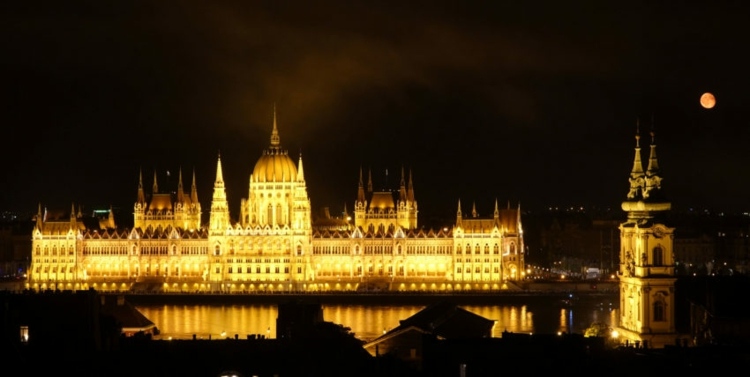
(182, 321)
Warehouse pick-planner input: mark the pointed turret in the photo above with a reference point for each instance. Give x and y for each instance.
(300, 170)
(653, 163)
(73, 222)
(39, 217)
(459, 216)
(518, 220)
(653, 179)
(219, 173)
(637, 175)
(474, 210)
(497, 211)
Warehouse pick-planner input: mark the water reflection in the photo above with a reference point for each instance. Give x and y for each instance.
(366, 322)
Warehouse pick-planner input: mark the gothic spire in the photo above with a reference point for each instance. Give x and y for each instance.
(180, 192)
(155, 188)
(300, 170)
(459, 216)
(141, 194)
(39, 217)
(369, 180)
(402, 195)
(411, 187)
(219, 173)
(361, 188)
(194, 190)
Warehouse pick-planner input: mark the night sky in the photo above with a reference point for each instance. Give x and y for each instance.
(530, 102)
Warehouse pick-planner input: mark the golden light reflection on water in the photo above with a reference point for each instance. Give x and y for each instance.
(366, 322)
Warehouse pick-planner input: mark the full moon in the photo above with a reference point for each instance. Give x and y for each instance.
(708, 100)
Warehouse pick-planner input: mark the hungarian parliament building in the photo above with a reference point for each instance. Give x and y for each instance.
(274, 244)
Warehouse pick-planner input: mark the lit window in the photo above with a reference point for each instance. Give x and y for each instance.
(24, 334)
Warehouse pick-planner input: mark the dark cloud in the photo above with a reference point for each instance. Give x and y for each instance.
(524, 101)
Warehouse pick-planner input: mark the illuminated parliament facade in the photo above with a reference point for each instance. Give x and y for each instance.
(274, 244)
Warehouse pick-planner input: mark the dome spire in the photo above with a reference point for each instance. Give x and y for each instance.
(275, 140)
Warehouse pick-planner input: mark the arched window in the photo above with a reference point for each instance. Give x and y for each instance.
(512, 247)
(658, 255)
(299, 249)
(217, 250)
(659, 309)
(458, 249)
(486, 248)
(398, 250)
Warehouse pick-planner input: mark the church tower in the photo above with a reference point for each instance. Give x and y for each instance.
(647, 265)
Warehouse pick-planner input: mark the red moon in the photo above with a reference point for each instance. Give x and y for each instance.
(708, 100)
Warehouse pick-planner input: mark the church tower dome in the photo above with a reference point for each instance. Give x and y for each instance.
(275, 165)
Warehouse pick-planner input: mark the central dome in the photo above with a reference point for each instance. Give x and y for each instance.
(275, 165)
